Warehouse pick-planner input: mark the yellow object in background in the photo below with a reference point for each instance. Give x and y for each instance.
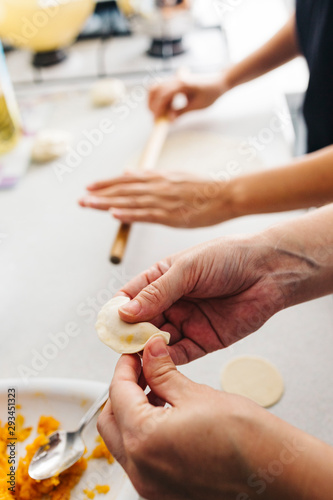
(43, 25)
(10, 123)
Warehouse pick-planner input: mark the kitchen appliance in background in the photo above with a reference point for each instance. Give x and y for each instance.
(47, 27)
(114, 44)
(106, 21)
(164, 21)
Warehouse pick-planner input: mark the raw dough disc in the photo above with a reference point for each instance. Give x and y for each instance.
(124, 337)
(254, 378)
(50, 145)
(107, 92)
(209, 154)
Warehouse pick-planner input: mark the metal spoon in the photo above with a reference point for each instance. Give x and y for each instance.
(63, 448)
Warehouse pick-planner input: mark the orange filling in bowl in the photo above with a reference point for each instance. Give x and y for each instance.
(56, 488)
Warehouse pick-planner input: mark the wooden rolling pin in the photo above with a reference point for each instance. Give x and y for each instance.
(147, 161)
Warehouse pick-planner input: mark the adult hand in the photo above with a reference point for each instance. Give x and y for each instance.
(188, 451)
(173, 199)
(206, 444)
(212, 295)
(200, 92)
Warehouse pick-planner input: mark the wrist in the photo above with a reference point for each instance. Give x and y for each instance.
(243, 197)
(228, 81)
(241, 418)
(258, 439)
(294, 271)
(270, 449)
(277, 458)
(231, 202)
(222, 83)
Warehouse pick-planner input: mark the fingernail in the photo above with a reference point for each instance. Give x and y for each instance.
(158, 348)
(91, 199)
(116, 212)
(133, 308)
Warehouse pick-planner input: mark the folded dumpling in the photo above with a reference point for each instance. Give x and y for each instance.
(122, 337)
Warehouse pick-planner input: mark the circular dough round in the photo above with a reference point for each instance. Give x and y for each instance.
(50, 145)
(107, 92)
(254, 378)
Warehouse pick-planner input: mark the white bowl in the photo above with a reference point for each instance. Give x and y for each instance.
(66, 400)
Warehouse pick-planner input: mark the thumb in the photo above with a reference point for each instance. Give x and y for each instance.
(161, 374)
(155, 298)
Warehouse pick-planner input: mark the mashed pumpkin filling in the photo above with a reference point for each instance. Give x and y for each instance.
(101, 451)
(56, 488)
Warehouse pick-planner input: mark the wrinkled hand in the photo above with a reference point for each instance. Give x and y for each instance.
(173, 199)
(207, 444)
(188, 451)
(200, 92)
(212, 295)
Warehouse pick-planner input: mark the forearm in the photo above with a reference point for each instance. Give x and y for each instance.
(299, 256)
(284, 462)
(283, 47)
(306, 183)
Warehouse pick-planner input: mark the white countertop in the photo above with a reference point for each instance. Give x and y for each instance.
(55, 273)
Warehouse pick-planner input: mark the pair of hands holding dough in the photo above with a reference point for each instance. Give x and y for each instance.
(206, 444)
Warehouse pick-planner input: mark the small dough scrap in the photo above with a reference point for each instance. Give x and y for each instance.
(122, 337)
(50, 145)
(254, 378)
(107, 92)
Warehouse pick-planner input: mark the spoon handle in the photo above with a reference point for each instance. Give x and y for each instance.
(93, 410)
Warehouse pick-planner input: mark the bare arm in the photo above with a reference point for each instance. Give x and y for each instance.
(203, 91)
(181, 200)
(306, 183)
(173, 199)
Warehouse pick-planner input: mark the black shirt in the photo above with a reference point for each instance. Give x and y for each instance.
(315, 34)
